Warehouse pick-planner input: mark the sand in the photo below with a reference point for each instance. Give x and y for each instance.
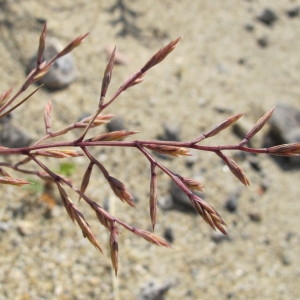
(228, 62)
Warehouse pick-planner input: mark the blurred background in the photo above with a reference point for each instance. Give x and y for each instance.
(236, 56)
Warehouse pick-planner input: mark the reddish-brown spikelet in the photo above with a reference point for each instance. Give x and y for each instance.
(223, 125)
(39, 73)
(208, 213)
(58, 153)
(259, 124)
(77, 216)
(86, 229)
(2, 171)
(120, 190)
(100, 120)
(160, 55)
(285, 150)
(4, 96)
(86, 178)
(16, 105)
(234, 168)
(114, 247)
(47, 116)
(169, 150)
(136, 81)
(153, 196)
(13, 181)
(151, 237)
(107, 76)
(112, 136)
(102, 219)
(237, 171)
(192, 184)
(41, 46)
(76, 42)
(67, 202)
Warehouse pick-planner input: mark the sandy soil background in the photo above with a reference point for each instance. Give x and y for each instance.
(220, 68)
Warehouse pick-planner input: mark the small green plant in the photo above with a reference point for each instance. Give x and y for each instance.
(67, 168)
(64, 148)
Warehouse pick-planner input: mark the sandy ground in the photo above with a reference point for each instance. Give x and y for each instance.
(218, 69)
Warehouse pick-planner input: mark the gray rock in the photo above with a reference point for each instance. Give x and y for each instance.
(25, 228)
(285, 124)
(293, 12)
(63, 71)
(152, 291)
(231, 203)
(169, 234)
(116, 124)
(11, 135)
(219, 237)
(267, 17)
(171, 133)
(285, 129)
(263, 41)
(255, 216)
(166, 202)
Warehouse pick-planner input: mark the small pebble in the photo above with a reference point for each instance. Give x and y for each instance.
(11, 135)
(25, 228)
(293, 12)
(255, 217)
(267, 17)
(242, 61)
(152, 291)
(166, 203)
(117, 123)
(254, 163)
(169, 235)
(263, 42)
(265, 183)
(232, 201)
(192, 159)
(249, 27)
(219, 237)
(286, 258)
(171, 132)
(5, 226)
(285, 124)
(284, 129)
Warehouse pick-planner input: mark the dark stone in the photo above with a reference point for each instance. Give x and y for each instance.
(284, 129)
(255, 217)
(152, 291)
(254, 163)
(171, 133)
(267, 17)
(12, 136)
(293, 12)
(231, 204)
(219, 237)
(263, 42)
(166, 203)
(169, 235)
(249, 27)
(285, 124)
(242, 61)
(116, 124)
